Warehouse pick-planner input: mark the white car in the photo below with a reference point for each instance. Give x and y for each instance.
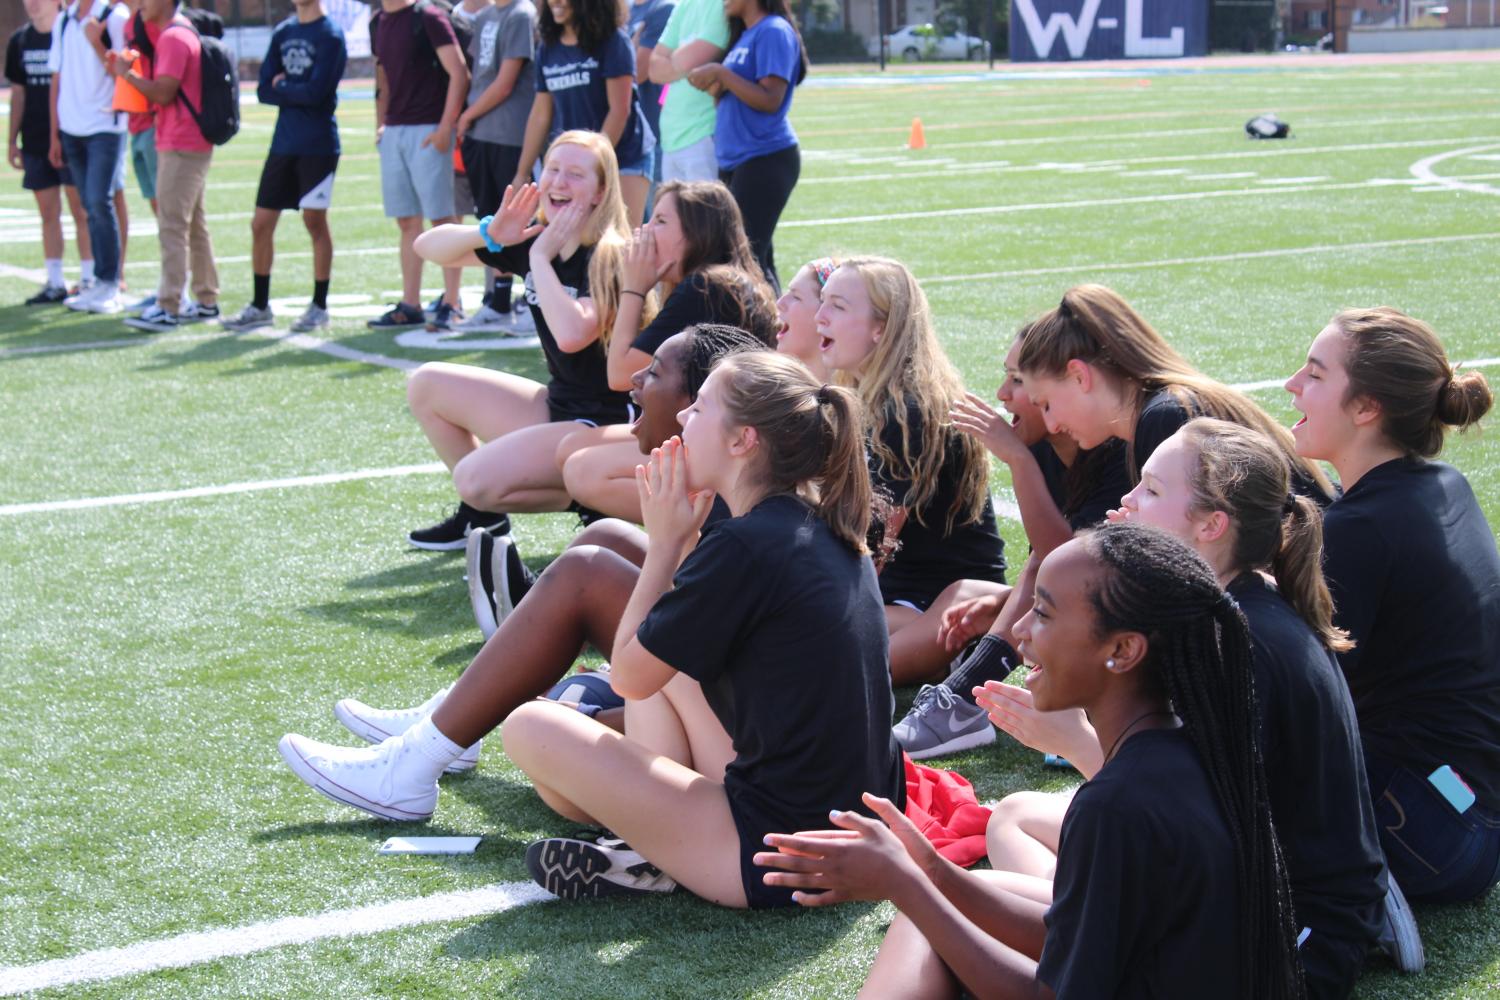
(921, 41)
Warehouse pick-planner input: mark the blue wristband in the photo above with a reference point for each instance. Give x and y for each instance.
(484, 233)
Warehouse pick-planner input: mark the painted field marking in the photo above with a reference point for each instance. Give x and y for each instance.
(101, 345)
(161, 496)
(208, 946)
(1424, 172)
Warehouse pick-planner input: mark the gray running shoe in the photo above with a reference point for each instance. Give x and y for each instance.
(940, 722)
(247, 319)
(313, 318)
(1398, 933)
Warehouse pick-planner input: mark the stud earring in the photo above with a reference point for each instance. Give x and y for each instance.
(1109, 664)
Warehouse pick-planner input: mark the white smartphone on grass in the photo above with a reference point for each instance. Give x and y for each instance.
(429, 845)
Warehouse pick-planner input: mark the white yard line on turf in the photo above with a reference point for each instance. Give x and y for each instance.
(101, 345)
(208, 946)
(337, 350)
(161, 496)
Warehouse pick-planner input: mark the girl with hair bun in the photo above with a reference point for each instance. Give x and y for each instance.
(775, 612)
(1415, 578)
(1169, 878)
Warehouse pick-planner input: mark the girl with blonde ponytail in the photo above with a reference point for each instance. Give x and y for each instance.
(1415, 578)
(754, 629)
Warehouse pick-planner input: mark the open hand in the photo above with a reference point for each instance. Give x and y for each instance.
(1066, 733)
(973, 415)
(671, 514)
(640, 272)
(515, 222)
(864, 858)
(561, 229)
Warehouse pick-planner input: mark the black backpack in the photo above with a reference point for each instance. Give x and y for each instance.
(461, 29)
(219, 118)
(1267, 126)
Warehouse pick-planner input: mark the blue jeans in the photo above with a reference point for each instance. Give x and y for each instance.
(93, 160)
(1436, 853)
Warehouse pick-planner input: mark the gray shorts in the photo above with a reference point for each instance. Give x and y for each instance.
(696, 162)
(415, 180)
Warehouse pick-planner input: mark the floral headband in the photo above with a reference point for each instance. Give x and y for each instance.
(822, 268)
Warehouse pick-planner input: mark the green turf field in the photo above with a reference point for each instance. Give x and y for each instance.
(152, 653)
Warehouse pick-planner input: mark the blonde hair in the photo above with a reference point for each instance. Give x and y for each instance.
(909, 369)
(1399, 362)
(606, 230)
(1241, 472)
(811, 437)
(1093, 324)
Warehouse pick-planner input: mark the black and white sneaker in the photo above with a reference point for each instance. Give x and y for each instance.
(1398, 932)
(498, 579)
(50, 295)
(602, 865)
(453, 532)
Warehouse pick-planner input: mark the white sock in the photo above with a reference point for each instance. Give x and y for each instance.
(54, 272)
(85, 270)
(433, 750)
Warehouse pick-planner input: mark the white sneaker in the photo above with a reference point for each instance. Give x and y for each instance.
(313, 318)
(378, 780)
(485, 320)
(376, 725)
(105, 300)
(521, 321)
(87, 292)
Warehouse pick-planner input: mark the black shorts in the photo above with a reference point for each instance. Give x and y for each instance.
(289, 183)
(38, 173)
(489, 166)
(589, 412)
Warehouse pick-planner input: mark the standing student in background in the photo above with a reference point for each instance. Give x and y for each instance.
(648, 19)
(586, 80)
(490, 133)
(183, 157)
(300, 75)
(87, 135)
(697, 33)
(30, 135)
(140, 127)
(1415, 576)
(420, 80)
(756, 147)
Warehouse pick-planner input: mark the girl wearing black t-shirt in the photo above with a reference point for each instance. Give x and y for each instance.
(694, 246)
(499, 432)
(1169, 878)
(776, 615)
(577, 599)
(1099, 370)
(878, 338)
(1415, 576)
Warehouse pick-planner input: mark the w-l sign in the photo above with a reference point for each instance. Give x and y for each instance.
(1153, 29)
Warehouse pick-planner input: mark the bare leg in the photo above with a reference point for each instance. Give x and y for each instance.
(603, 477)
(411, 263)
(676, 722)
(316, 221)
(517, 472)
(578, 599)
(1024, 830)
(674, 816)
(626, 540)
(635, 189)
(460, 406)
(49, 207)
(451, 275)
(263, 240)
(916, 654)
(123, 214)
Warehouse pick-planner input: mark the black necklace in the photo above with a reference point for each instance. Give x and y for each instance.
(1126, 732)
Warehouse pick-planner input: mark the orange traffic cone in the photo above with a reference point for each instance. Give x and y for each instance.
(918, 139)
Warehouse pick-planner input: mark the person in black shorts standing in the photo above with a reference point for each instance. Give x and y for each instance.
(300, 75)
(30, 135)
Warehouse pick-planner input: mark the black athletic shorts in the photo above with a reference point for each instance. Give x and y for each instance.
(589, 413)
(490, 166)
(289, 183)
(38, 173)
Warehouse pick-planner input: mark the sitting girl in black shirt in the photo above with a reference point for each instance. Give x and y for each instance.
(694, 246)
(878, 338)
(577, 599)
(499, 432)
(1169, 878)
(1415, 576)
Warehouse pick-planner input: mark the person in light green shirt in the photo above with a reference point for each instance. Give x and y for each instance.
(696, 33)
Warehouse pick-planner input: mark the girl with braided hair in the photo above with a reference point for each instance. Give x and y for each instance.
(1170, 881)
(1223, 489)
(1415, 578)
(578, 599)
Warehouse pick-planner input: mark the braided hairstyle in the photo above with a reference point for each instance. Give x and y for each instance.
(1198, 650)
(707, 345)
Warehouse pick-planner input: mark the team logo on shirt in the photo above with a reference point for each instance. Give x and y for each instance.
(487, 39)
(297, 56)
(531, 292)
(565, 76)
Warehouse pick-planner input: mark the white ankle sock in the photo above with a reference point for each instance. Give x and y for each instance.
(85, 270)
(434, 751)
(54, 273)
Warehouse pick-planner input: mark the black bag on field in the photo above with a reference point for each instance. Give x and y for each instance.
(1267, 126)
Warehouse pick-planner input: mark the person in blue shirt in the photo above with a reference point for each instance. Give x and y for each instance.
(300, 75)
(585, 66)
(756, 146)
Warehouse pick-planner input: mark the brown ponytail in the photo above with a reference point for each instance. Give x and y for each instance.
(811, 437)
(1399, 363)
(1242, 473)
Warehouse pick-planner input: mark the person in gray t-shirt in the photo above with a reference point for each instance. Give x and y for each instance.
(491, 131)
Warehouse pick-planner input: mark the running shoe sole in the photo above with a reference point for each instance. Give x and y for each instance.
(332, 790)
(452, 546)
(1406, 942)
(573, 869)
(479, 599)
(966, 741)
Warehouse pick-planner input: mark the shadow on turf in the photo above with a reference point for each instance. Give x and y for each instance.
(54, 326)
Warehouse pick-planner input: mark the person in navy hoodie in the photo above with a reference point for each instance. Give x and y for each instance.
(300, 75)
(758, 154)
